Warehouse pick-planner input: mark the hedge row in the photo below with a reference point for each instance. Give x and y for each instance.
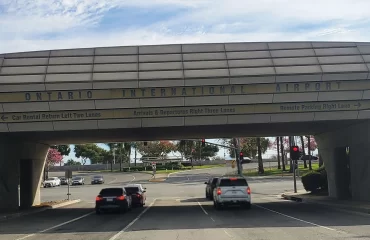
(316, 180)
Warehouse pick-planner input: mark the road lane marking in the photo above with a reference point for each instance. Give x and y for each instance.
(307, 222)
(115, 179)
(212, 219)
(132, 222)
(228, 234)
(200, 205)
(133, 178)
(56, 226)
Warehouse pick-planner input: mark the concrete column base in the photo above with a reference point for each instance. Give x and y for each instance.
(332, 144)
(20, 164)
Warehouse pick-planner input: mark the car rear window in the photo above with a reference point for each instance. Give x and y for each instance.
(111, 192)
(131, 190)
(233, 182)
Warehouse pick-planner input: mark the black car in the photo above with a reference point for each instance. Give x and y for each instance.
(112, 199)
(307, 157)
(138, 194)
(211, 184)
(97, 180)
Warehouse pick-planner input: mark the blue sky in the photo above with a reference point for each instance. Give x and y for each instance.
(27, 25)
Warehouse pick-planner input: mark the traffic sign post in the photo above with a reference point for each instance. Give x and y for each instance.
(68, 176)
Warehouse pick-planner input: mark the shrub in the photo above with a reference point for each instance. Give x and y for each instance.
(315, 180)
(311, 181)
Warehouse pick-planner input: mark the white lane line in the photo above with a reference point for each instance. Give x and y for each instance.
(132, 222)
(200, 205)
(228, 234)
(213, 219)
(311, 223)
(56, 226)
(115, 179)
(133, 178)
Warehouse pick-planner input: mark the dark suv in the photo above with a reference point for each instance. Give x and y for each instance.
(211, 184)
(112, 199)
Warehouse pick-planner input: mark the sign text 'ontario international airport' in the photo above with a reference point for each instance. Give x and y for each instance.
(43, 96)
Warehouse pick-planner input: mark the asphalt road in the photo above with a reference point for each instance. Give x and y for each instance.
(177, 209)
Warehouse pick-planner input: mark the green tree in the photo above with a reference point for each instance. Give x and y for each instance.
(207, 151)
(89, 151)
(249, 146)
(185, 148)
(63, 149)
(71, 162)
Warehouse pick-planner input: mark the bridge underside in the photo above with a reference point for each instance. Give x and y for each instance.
(183, 132)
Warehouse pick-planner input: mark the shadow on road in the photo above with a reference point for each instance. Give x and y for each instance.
(183, 214)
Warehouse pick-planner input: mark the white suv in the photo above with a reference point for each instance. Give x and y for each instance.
(232, 191)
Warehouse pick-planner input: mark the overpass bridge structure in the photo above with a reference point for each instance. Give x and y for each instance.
(185, 91)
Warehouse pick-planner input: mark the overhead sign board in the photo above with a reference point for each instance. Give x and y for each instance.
(184, 111)
(217, 90)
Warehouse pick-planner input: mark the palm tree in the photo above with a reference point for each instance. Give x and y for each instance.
(127, 146)
(260, 163)
(282, 153)
(303, 152)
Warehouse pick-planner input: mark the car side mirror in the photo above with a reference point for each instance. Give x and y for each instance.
(205, 183)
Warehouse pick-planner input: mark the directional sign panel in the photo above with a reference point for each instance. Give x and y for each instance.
(184, 111)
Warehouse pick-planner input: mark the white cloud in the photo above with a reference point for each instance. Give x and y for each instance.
(27, 25)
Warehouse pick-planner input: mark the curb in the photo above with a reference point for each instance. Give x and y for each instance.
(157, 180)
(292, 198)
(16, 215)
(64, 204)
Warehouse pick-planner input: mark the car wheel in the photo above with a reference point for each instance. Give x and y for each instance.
(97, 211)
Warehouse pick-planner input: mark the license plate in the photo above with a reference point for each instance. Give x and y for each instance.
(109, 199)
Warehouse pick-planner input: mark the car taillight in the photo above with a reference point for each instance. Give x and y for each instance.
(248, 190)
(219, 191)
(138, 195)
(121, 198)
(98, 198)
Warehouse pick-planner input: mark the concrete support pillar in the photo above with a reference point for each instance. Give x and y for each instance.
(21, 164)
(32, 162)
(332, 147)
(9, 178)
